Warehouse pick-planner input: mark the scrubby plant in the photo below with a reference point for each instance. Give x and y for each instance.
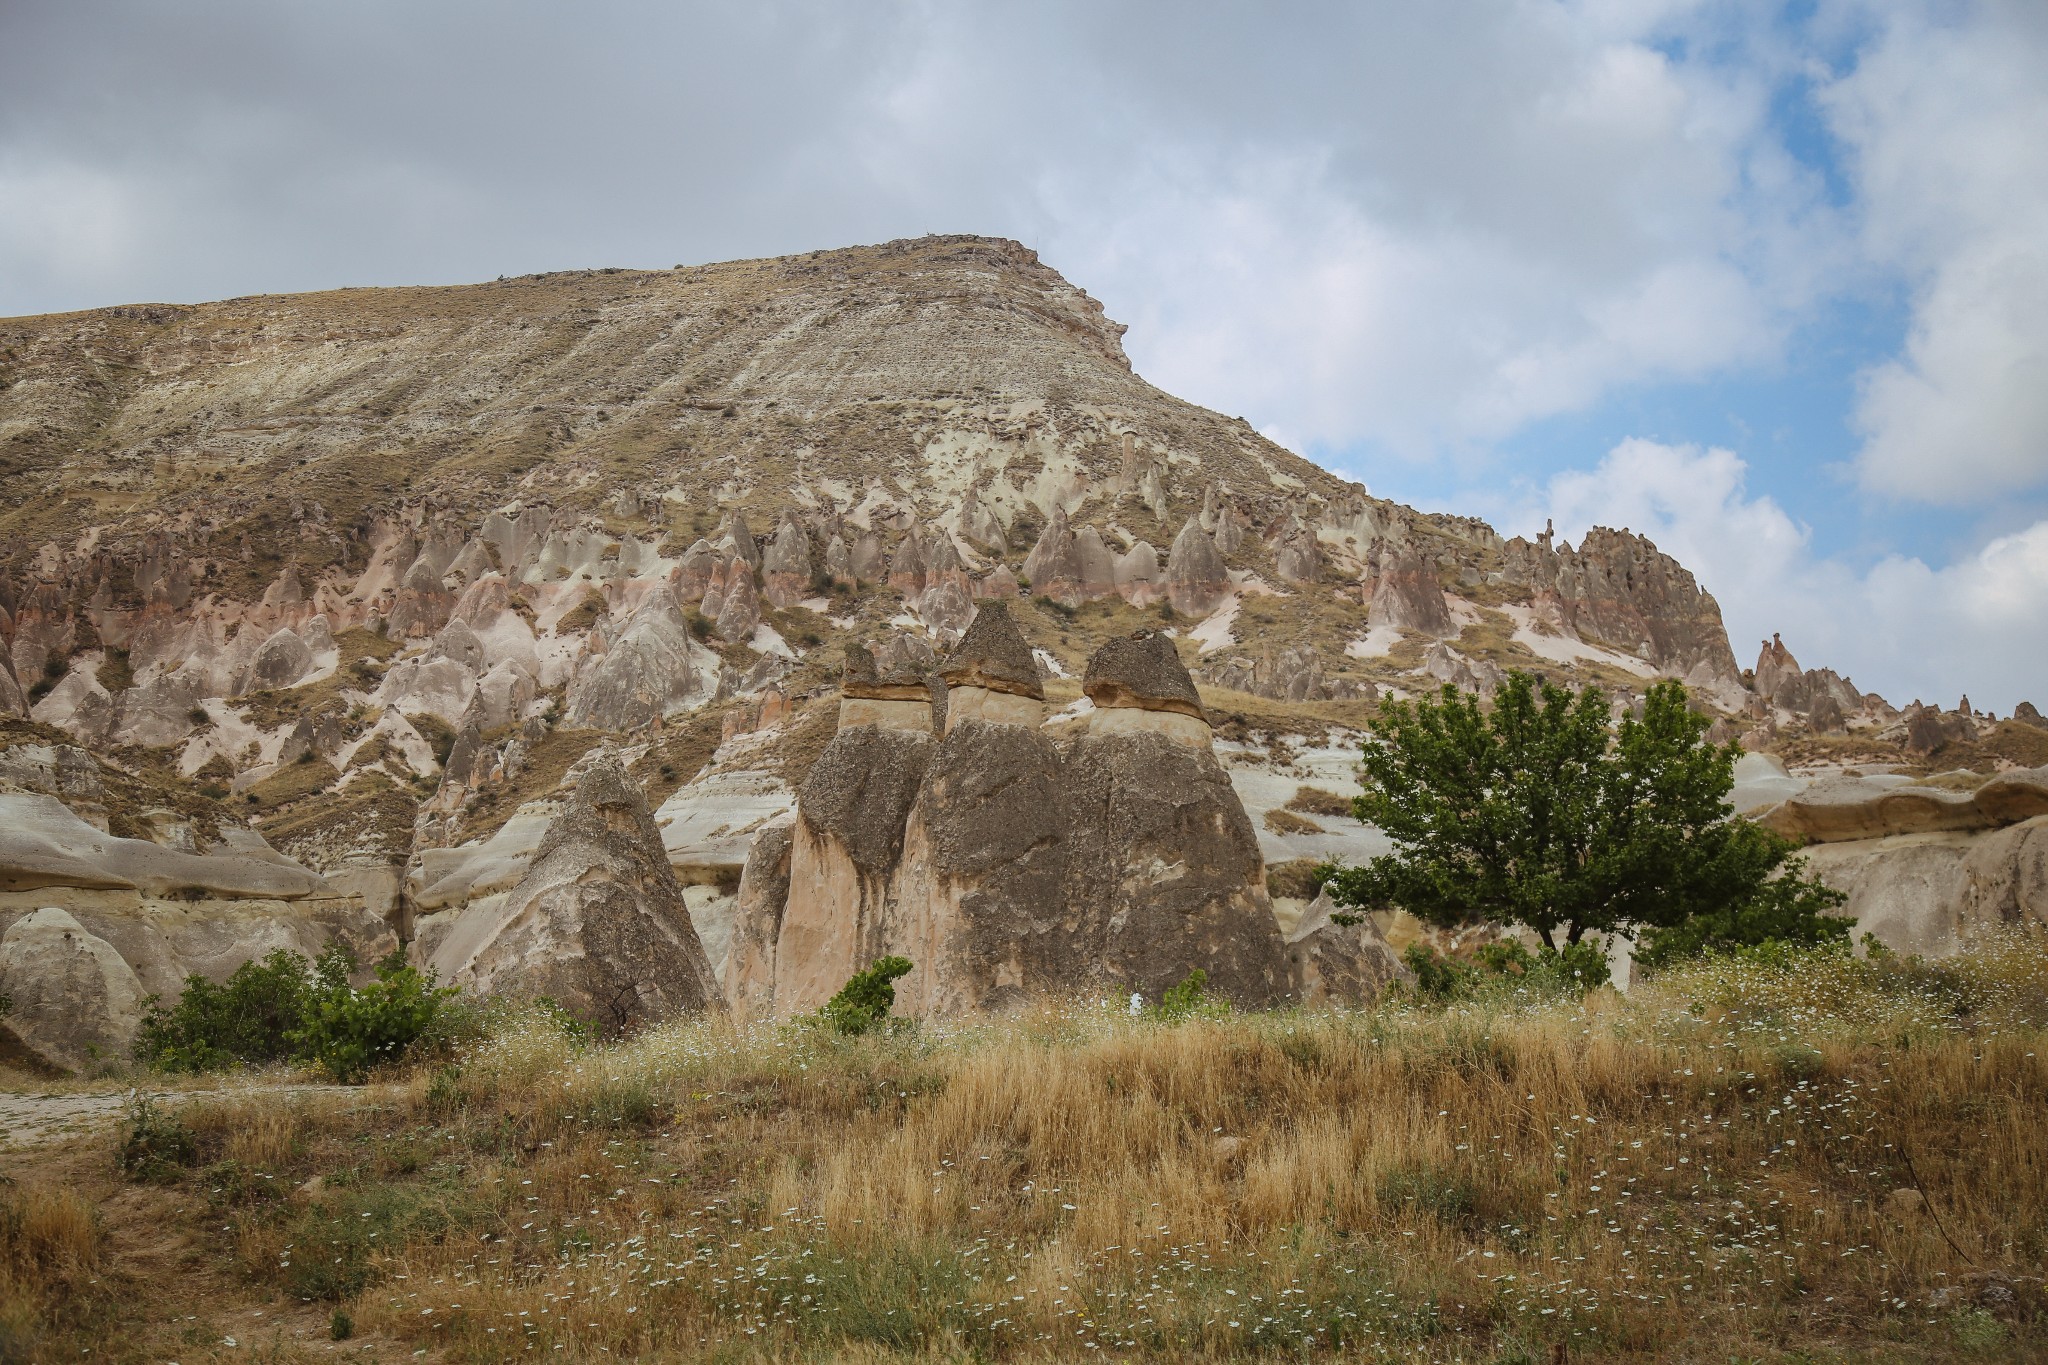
(863, 1003)
(284, 1008)
(1189, 997)
(1505, 964)
(155, 1145)
(348, 1030)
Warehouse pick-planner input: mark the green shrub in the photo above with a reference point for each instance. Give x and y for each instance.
(866, 998)
(247, 1018)
(156, 1144)
(287, 1009)
(1190, 997)
(347, 1030)
(1573, 969)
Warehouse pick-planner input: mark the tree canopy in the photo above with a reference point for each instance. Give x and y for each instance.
(1542, 811)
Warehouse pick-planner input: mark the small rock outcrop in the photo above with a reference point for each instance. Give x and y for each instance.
(75, 1000)
(892, 691)
(1196, 580)
(1406, 594)
(597, 922)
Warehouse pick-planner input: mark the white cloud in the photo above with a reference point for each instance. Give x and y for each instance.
(1899, 626)
(1944, 117)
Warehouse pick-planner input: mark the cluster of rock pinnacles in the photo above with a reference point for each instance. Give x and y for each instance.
(946, 825)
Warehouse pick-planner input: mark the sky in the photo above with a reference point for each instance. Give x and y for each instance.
(1765, 282)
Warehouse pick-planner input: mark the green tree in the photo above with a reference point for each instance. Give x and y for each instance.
(864, 1002)
(1541, 812)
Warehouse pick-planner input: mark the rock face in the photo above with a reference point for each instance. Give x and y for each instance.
(76, 1001)
(1006, 864)
(1406, 594)
(847, 840)
(598, 922)
(892, 691)
(647, 668)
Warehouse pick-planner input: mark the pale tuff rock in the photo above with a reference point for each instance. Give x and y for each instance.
(642, 670)
(978, 903)
(598, 921)
(1296, 557)
(739, 541)
(1294, 674)
(692, 577)
(1406, 594)
(868, 563)
(1071, 567)
(1004, 864)
(76, 1001)
(839, 560)
(1818, 696)
(980, 526)
(786, 567)
(1336, 962)
(1139, 684)
(1618, 589)
(740, 612)
(847, 840)
(1929, 731)
(1137, 575)
(1442, 664)
(893, 691)
(757, 921)
(1196, 580)
(44, 844)
(1845, 808)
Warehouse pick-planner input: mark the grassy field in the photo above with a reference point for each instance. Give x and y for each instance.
(1825, 1159)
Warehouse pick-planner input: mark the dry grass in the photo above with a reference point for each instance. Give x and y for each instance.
(50, 1247)
(1705, 1170)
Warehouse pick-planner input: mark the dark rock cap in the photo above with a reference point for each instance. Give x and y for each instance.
(993, 654)
(897, 676)
(1142, 671)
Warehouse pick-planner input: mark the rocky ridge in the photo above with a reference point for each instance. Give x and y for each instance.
(370, 574)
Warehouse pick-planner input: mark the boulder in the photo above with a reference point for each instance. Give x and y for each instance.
(1342, 963)
(598, 922)
(893, 692)
(76, 1001)
(991, 674)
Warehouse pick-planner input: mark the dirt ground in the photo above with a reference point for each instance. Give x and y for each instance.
(167, 1292)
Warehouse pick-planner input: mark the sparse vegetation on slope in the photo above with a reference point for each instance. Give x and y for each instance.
(1819, 1158)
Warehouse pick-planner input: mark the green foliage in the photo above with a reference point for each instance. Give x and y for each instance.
(1543, 813)
(1790, 910)
(341, 1326)
(155, 1145)
(348, 1030)
(863, 1003)
(1190, 997)
(247, 1018)
(284, 1008)
(1505, 964)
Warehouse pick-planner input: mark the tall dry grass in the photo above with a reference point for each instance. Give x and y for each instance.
(1736, 1160)
(50, 1248)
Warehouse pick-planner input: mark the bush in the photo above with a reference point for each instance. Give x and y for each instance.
(248, 1018)
(1190, 997)
(156, 1144)
(1573, 970)
(347, 1031)
(866, 998)
(287, 1009)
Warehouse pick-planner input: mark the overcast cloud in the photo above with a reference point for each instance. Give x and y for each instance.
(1402, 238)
